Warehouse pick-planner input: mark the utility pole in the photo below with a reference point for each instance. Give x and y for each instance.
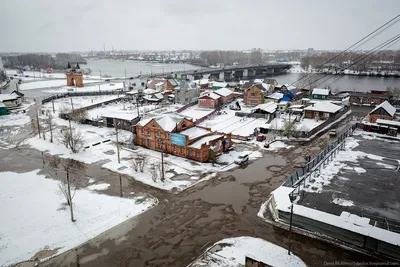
(99, 88)
(290, 228)
(52, 102)
(125, 73)
(38, 125)
(72, 104)
(100, 75)
(116, 129)
(70, 132)
(69, 196)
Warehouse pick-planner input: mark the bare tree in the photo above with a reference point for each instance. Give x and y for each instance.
(289, 128)
(135, 164)
(395, 92)
(162, 170)
(141, 160)
(153, 171)
(72, 138)
(273, 132)
(67, 186)
(79, 115)
(49, 122)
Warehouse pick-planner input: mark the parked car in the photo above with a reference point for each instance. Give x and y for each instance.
(242, 159)
(11, 77)
(261, 138)
(107, 80)
(26, 76)
(332, 133)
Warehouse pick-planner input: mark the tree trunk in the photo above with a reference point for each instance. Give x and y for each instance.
(70, 198)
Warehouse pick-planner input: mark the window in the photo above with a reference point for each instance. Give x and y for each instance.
(197, 154)
(148, 142)
(166, 135)
(181, 150)
(183, 125)
(315, 113)
(253, 94)
(190, 152)
(158, 133)
(253, 101)
(148, 132)
(143, 142)
(326, 115)
(174, 148)
(142, 130)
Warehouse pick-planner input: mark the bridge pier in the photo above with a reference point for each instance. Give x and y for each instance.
(245, 73)
(222, 76)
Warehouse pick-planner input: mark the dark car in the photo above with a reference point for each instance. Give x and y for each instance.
(107, 80)
(11, 78)
(26, 75)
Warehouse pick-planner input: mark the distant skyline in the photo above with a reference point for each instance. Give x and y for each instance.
(85, 25)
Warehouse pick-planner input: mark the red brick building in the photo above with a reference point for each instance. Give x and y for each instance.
(210, 100)
(383, 111)
(225, 94)
(178, 136)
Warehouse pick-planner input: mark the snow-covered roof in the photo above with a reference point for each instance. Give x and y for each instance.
(386, 106)
(166, 122)
(269, 107)
(2, 105)
(276, 95)
(211, 95)
(219, 84)
(205, 140)
(223, 92)
(388, 122)
(258, 80)
(160, 83)
(149, 91)
(325, 106)
(296, 106)
(121, 116)
(5, 97)
(159, 95)
(317, 91)
(195, 132)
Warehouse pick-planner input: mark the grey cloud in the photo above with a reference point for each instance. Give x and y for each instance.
(76, 25)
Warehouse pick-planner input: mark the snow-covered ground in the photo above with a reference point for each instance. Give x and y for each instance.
(92, 88)
(78, 102)
(231, 252)
(48, 84)
(36, 217)
(56, 75)
(14, 119)
(304, 125)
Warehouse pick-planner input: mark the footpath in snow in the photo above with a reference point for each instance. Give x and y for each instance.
(37, 218)
(231, 252)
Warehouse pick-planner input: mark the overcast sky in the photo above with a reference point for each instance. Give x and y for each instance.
(83, 25)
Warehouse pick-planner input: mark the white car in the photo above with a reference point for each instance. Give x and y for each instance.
(242, 159)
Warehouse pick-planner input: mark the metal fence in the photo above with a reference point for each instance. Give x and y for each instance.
(302, 175)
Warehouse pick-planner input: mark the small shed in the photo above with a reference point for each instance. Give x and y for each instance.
(383, 111)
(322, 110)
(320, 94)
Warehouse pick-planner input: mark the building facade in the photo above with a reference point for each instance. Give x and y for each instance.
(384, 111)
(253, 96)
(359, 98)
(74, 76)
(225, 94)
(172, 135)
(210, 100)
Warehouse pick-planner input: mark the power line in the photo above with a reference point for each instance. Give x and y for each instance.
(361, 40)
(361, 58)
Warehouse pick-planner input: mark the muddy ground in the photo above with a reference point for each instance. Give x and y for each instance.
(183, 225)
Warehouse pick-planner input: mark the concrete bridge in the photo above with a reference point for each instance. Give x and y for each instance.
(230, 73)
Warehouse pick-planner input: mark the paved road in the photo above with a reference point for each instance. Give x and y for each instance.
(178, 230)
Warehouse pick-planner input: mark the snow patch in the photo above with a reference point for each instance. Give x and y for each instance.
(98, 187)
(343, 202)
(37, 219)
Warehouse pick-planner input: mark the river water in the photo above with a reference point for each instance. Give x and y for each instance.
(117, 68)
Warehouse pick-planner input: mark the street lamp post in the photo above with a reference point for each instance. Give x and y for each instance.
(100, 75)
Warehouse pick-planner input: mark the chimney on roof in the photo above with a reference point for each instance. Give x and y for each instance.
(68, 66)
